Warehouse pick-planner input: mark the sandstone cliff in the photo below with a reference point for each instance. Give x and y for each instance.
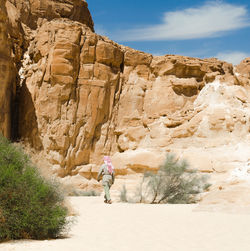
(33, 12)
(83, 96)
(7, 74)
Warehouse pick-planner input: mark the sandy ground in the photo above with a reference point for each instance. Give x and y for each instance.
(139, 227)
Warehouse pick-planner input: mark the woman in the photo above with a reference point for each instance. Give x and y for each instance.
(108, 177)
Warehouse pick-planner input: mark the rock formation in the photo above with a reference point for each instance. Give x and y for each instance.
(83, 96)
(7, 75)
(33, 12)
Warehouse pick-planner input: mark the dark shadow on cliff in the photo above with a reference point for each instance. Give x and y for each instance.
(26, 119)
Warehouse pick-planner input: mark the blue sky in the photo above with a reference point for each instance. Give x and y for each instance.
(184, 27)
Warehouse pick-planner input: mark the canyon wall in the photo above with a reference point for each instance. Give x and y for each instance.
(33, 12)
(7, 74)
(82, 96)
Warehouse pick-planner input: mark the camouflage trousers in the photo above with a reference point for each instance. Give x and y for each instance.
(106, 187)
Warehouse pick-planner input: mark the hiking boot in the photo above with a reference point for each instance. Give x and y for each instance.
(109, 201)
(105, 201)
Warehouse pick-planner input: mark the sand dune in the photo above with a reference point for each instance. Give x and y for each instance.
(139, 227)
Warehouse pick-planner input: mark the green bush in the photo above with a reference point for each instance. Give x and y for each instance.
(30, 206)
(175, 183)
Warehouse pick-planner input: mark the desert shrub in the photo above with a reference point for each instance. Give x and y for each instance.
(123, 194)
(175, 182)
(139, 194)
(30, 206)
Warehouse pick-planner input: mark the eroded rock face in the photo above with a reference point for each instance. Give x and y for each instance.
(18, 23)
(32, 13)
(242, 72)
(84, 96)
(72, 80)
(92, 97)
(244, 68)
(7, 75)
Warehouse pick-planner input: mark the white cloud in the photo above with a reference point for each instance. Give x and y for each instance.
(234, 57)
(209, 20)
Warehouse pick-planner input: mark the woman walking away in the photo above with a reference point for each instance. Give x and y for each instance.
(108, 177)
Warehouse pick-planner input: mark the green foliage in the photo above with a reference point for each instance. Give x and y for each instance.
(30, 206)
(175, 183)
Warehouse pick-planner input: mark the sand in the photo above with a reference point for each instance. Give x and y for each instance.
(139, 227)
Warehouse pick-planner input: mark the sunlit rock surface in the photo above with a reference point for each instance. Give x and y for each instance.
(83, 96)
(7, 74)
